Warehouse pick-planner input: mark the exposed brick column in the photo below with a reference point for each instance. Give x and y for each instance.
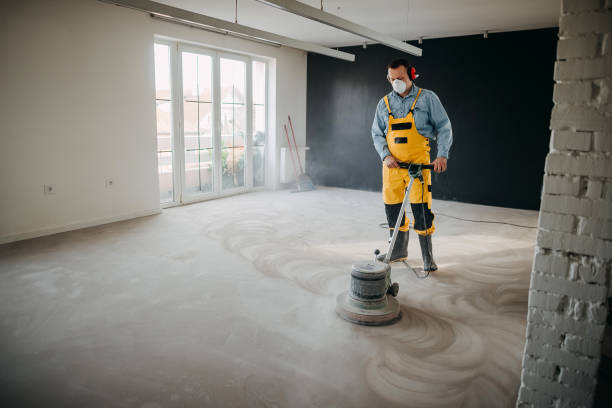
(570, 281)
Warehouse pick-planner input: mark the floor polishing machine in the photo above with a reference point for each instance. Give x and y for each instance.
(371, 299)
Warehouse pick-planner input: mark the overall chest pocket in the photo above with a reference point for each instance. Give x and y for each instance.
(401, 126)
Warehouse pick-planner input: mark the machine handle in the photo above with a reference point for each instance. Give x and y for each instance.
(404, 165)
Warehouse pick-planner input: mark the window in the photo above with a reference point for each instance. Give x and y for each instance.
(259, 122)
(233, 122)
(214, 129)
(163, 103)
(197, 122)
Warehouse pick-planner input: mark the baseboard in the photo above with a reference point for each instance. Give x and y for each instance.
(5, 239)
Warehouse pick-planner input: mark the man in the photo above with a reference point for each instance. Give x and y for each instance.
(406, 119)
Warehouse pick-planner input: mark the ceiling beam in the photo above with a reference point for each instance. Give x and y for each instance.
(188, 17)
(315, 14)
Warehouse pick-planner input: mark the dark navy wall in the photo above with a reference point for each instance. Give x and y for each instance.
(498, 95)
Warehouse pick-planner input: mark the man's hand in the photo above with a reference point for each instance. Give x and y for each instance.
(391, 162)
(439, 164)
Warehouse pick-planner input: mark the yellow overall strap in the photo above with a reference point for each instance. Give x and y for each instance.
(415, 100)
(387, 103)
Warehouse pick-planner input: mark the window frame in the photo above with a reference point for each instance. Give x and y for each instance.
(178, 143)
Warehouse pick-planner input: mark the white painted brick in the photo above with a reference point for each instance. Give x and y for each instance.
(545, 335)
(583, 69)
(602, 141)
(577, 309)
(574, 6)
(562, 204)
(544, 239)
(595, 227)
(607, 43)
(600, 94)
(560, 163)
(545, 368)
(546, 301)
(579, 47)
(562, 357)
(574, 378)
(569, 283)
(577, 244)
(592, 273)
(573, 272)
(598, 21)
(573, 92)
(561, 185)
(568, 140)
(542, 262)
(529, 398)
(581, 345)
(561, 403)
(579, 117)
(554, 388)
(559, 265)
(579, 290)
(540, 366)
(557, 222)
(563, 323)
(594, 189)
(604, 249)
(607, 191)
(605, 231)
(601, 208)
(597, 312)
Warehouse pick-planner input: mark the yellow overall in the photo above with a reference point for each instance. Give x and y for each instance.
(407, 145)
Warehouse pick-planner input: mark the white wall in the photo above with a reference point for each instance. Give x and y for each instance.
(77, 107)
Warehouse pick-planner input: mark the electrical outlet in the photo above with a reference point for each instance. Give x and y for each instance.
(49, 189)
(110, 183)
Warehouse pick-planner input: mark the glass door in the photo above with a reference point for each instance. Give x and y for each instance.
(197, 124)
(211, 122)
(165, 125)
(233, 122)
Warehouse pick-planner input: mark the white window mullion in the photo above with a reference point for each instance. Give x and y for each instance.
(248, 151)
(216, 124)
(268, 153)
(180, 141)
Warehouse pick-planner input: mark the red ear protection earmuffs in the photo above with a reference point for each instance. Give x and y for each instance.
(412, 73)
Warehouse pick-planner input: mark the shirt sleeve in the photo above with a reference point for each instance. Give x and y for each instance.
(379, 130)
(442, 125)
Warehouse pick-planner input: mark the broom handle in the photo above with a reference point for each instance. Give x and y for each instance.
(297, 152)
(291, 154)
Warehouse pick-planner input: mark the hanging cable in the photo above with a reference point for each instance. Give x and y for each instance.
(386, 225)
(236, 13)
(488, 222)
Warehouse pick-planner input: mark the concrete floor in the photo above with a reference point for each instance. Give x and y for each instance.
(230, 303)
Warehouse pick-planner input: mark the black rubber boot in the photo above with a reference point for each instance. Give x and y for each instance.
(400, 248)
(429, 265)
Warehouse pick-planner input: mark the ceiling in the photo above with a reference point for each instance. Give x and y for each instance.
(401, 19)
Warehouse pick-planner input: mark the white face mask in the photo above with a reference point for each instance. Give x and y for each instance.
(399, 86)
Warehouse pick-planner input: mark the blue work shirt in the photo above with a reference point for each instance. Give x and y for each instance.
(430, 119)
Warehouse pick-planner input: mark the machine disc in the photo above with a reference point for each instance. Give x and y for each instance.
(378, 313)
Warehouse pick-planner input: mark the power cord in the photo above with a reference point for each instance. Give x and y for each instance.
(487, 222)
(386, 225)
